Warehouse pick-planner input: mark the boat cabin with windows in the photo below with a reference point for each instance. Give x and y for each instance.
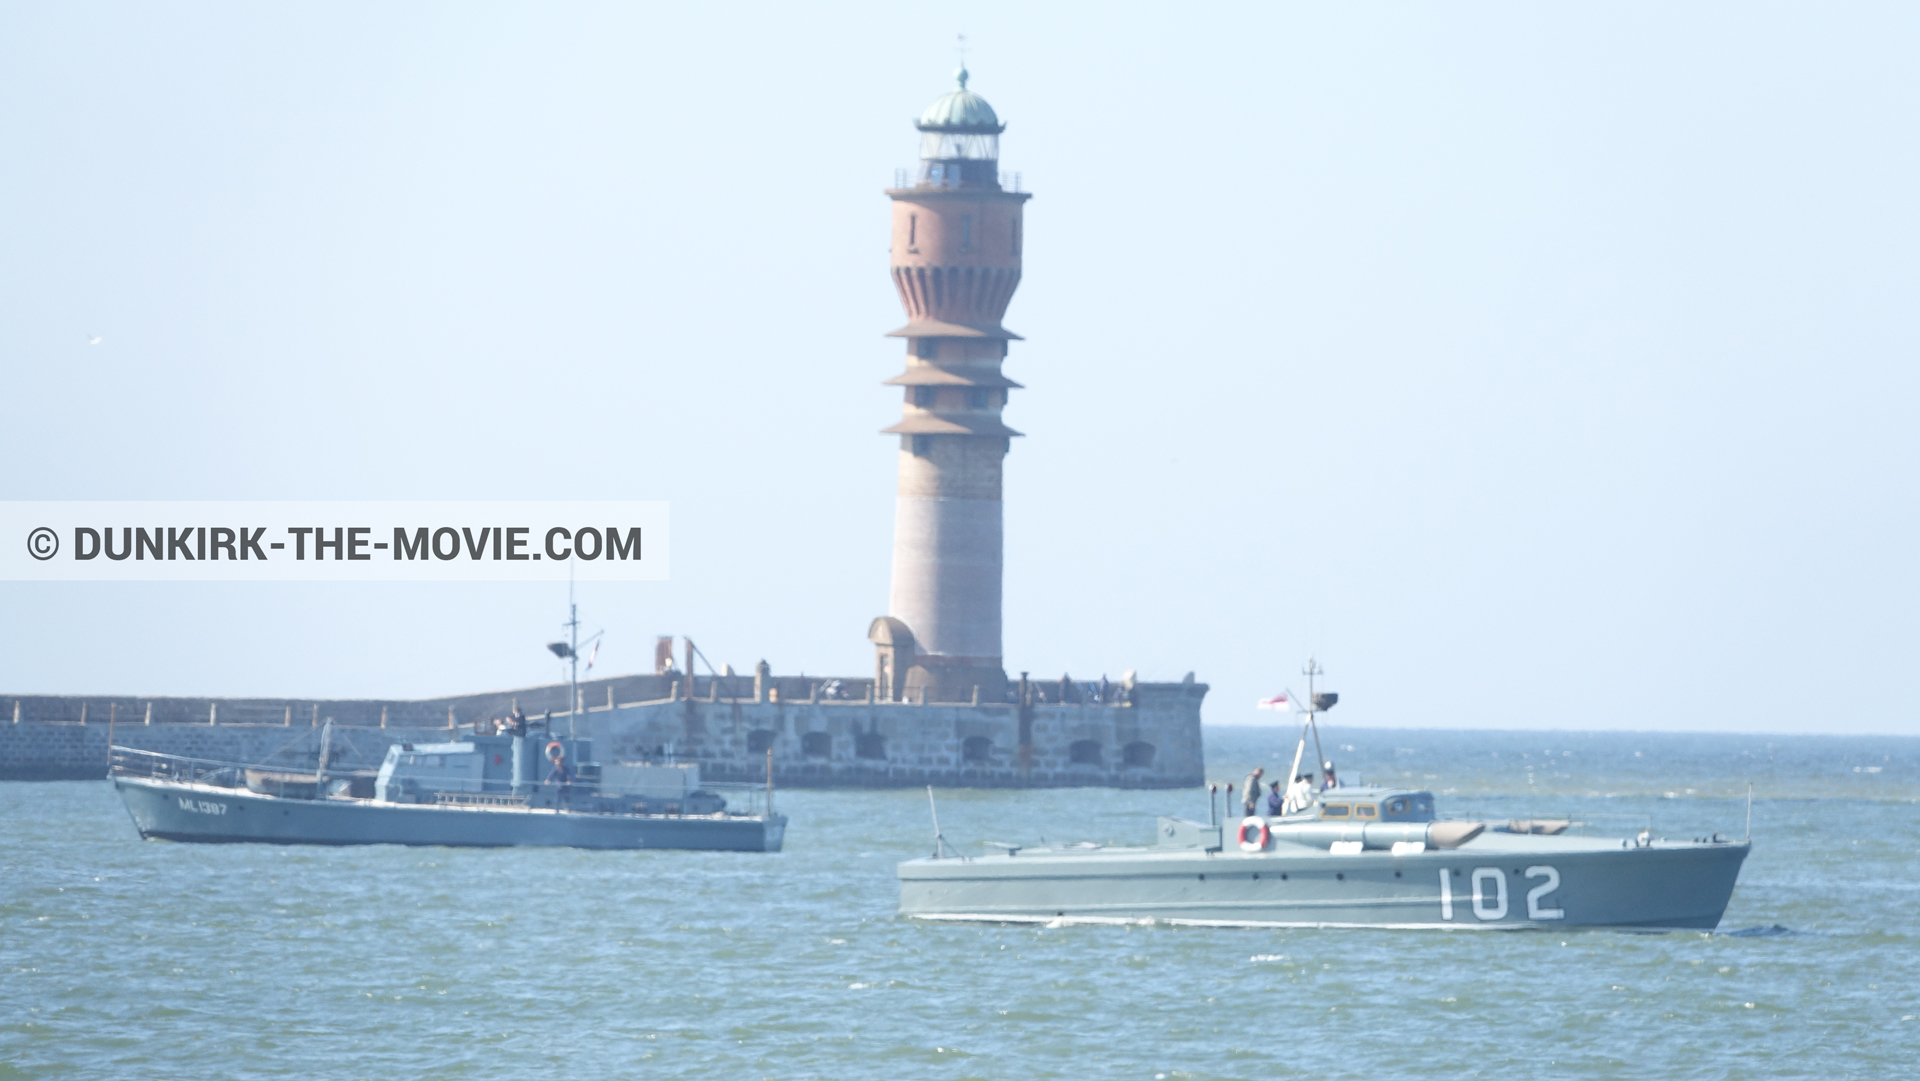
(1371, 804)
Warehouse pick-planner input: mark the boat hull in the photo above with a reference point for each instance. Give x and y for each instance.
(1541, 883)
(163, 810)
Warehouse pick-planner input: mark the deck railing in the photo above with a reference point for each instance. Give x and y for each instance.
(133, 762)
(153, 765)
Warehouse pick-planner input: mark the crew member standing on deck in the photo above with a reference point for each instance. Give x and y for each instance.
(1250, 799)
(560, 774)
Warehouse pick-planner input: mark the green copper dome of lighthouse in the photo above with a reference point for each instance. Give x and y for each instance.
(960, 112)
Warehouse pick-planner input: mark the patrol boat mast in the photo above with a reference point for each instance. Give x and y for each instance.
(1318, 702)
(1314, 706)
(569, 651)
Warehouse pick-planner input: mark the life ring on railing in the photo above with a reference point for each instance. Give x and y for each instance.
(555, 751)
(1261, 835)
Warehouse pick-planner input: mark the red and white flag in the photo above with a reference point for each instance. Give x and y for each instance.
(591, 656)
(1279, 701)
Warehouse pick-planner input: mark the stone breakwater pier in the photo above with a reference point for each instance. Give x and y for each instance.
(822, 732)
(940, 707)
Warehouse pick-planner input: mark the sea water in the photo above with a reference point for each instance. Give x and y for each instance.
(128, 959)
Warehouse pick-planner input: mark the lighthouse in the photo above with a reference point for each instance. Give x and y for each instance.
(957, 238)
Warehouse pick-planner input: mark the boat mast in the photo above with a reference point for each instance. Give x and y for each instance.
(573, 652)
(1312, 670)
(569, 651)
(939, 839)
(320, 772)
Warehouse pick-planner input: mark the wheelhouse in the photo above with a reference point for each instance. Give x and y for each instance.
(1376, 805)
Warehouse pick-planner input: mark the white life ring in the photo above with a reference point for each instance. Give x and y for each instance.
(1261, 837)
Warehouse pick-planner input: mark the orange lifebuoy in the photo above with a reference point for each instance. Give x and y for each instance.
(1254, 844)
(555, 751)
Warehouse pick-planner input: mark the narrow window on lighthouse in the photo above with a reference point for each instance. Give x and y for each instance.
(966, 233)
(913, 230)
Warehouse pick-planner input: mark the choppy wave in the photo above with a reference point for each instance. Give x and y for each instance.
(120, 958)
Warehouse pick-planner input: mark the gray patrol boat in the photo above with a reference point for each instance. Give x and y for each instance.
(1361, 856)
(481, 791)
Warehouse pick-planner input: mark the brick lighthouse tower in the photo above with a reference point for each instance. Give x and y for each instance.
(956, 262)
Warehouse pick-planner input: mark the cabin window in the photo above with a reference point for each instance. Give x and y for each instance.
(976, 749)
(1084, 752)
(759, 741)
(1397, 807)
(1423, 805)
(1335, 810)
(1366, 810)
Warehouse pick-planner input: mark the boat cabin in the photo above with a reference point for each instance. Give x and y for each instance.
(416, 772)
(491, 770)
(1374, 804)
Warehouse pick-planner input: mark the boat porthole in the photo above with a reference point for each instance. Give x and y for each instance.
(1341, 876)
(1203, 878)
(1059, 913)
(1396, 874)
(1283, 878)
(1256, 876)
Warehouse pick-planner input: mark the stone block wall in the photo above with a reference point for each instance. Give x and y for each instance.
(1150, 740)
(400, 713)
(70, 752)
(1152, 743)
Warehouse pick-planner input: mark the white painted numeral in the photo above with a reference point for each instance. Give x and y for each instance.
(1534, 911)
(1497, 910)
(1446, 895)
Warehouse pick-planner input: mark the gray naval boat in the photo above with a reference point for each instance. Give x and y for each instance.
(1362, 856)
(480, 791)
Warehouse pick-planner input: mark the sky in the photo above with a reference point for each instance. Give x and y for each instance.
(1530, 366)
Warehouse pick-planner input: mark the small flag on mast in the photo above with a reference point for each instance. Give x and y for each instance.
(1278, 701)
(591, 656)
